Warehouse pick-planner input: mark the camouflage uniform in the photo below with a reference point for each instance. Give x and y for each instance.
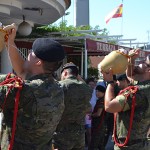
(40, 108)
(70, 133)
(141, 119)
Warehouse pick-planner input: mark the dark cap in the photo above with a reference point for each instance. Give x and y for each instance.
(48, 50)
(69, 65)
(100, 88)
(121, 77)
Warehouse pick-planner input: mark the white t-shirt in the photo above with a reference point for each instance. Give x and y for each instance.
(87, 119)
(93, 99)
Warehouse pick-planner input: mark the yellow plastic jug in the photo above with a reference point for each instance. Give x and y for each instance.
(116, 60)
(4, 35)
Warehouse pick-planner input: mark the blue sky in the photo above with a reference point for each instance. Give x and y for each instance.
(135, 23)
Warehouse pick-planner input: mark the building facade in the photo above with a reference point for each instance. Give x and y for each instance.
(81, 17)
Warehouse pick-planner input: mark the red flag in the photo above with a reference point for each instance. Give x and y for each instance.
(117, 12)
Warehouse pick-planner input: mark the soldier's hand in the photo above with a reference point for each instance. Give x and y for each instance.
(108, 76)
(11, 35)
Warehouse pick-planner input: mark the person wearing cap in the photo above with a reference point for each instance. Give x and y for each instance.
(98, 128)
(110, 120)
(122, 81)
(41, 101)
(136, 73)
(70, 132)
(131, 113)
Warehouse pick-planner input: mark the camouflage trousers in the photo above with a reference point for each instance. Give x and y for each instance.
(97, 141)
(143, 145)
(20, 145)
(70, 140)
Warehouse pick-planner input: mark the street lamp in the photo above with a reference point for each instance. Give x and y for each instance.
(24, 28)
(67, 13)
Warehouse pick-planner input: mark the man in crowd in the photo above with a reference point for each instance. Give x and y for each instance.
(136, 73)
(41, 102)
(132, 111)
(121, 81)
(70, 132)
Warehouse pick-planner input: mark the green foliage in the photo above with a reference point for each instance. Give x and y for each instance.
(48, 28)
(92, 72)
(112, 42)
(62, 26)
(41, 31)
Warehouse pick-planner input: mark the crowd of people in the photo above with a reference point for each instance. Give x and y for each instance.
(102, 122)
(41, 113)
(127, 97)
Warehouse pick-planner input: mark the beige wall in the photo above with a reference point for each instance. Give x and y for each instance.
(95, 60)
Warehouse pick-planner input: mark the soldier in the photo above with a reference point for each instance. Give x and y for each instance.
(70, 132)
(41, 101)
(135, 73)
(132, 111)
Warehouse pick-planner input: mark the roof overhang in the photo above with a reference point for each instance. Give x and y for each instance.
(42, 12)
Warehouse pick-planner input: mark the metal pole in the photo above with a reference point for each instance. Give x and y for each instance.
(148, 35)
(130, 43)
(85, 74)
(62, 23)
(82, 54)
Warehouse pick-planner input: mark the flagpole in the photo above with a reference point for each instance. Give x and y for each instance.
(122, 20)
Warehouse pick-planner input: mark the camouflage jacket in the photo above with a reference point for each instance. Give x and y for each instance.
(141, 119)
(41, 106)
(77, 96)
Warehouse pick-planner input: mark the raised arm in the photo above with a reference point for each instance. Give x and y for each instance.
(111, 103)
(16, 59)
(130, 69)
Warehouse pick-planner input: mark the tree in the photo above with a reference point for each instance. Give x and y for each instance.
(62, 26)
(92, 72)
